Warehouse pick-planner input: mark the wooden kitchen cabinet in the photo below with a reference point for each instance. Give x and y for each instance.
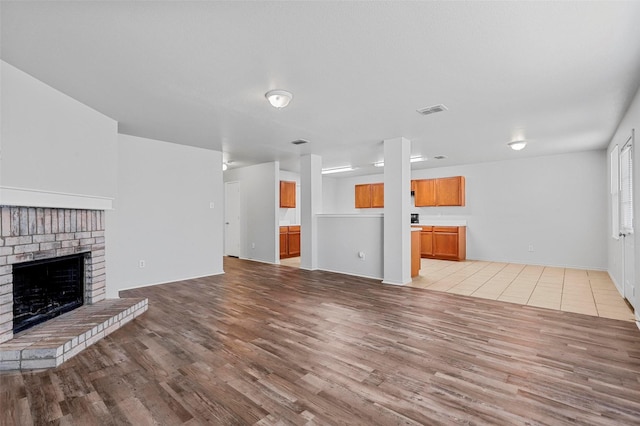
(289, 241)
(287, 194)
(449, 191)
(377, 195)
(293, 241)
(425, 193)
(426, 241)
(369, 195)
(415, 253)
(444, 242)
(363, 196)
(284, 250)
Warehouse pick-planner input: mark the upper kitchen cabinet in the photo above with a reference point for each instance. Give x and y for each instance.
(449, 191)
(377, 195)
(369, 195)
(425, 192)
(363, 196)
(287, 194)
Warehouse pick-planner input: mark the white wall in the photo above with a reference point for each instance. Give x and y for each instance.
(53, 146)
(330, 188)
(553, 203)
(342, 237)
(259, 208)
(290, 216)
(162, 214)
(630, 121)
(339, 193)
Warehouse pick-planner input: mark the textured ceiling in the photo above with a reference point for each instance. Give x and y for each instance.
(559, 74)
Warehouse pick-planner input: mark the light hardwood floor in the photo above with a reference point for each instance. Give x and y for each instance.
(264, 344)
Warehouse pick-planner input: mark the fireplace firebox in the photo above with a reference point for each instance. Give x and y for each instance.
(44, 289)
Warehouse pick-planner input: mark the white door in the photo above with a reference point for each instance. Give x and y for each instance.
(627, 222)
(232, 219)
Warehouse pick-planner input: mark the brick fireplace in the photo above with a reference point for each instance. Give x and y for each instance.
(30, 234)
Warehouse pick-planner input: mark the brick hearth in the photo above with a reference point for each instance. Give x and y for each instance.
(51, 343)
(29, 233)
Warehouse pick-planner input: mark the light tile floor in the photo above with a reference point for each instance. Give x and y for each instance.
(291, 261)
(572, 290)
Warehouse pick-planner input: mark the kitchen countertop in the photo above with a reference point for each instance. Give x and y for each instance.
(441, 222)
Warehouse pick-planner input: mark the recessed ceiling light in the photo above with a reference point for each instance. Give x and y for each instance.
(432, 109)
(224, 167)
(517, 145)
(337, 170)
(279, 98)
(379, 164)
(439, 157)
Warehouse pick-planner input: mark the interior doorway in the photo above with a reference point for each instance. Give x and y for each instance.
(232, 219)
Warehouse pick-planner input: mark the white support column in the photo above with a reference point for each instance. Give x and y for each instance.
(397, 210)
(310, 206)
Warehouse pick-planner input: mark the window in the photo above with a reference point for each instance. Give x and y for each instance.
(626, 188)
(614, 161)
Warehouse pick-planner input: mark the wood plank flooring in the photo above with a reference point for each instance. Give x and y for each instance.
(264, 344)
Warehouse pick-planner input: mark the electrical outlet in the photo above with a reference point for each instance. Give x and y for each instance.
(530, 247)
(361, 255)
(141, 264)
(211, 204)
(253, 245)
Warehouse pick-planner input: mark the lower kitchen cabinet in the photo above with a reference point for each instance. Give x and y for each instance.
(444, 242)
(289, 241)
(284, 250)
(294, 241)
(415, 253)
(426, 241)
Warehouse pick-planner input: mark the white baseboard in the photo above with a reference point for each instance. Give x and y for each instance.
(168, 282)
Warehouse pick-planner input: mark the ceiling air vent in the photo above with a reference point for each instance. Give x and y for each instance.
(440, 157)
(432, 109)
(299, 142)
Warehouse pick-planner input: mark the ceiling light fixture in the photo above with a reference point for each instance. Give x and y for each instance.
(224, 167)
(278, 98)
(337, 170)
(412, 160)
(517, 145)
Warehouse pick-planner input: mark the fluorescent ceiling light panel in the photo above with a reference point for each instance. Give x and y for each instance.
(337, 170)
(412, 160)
